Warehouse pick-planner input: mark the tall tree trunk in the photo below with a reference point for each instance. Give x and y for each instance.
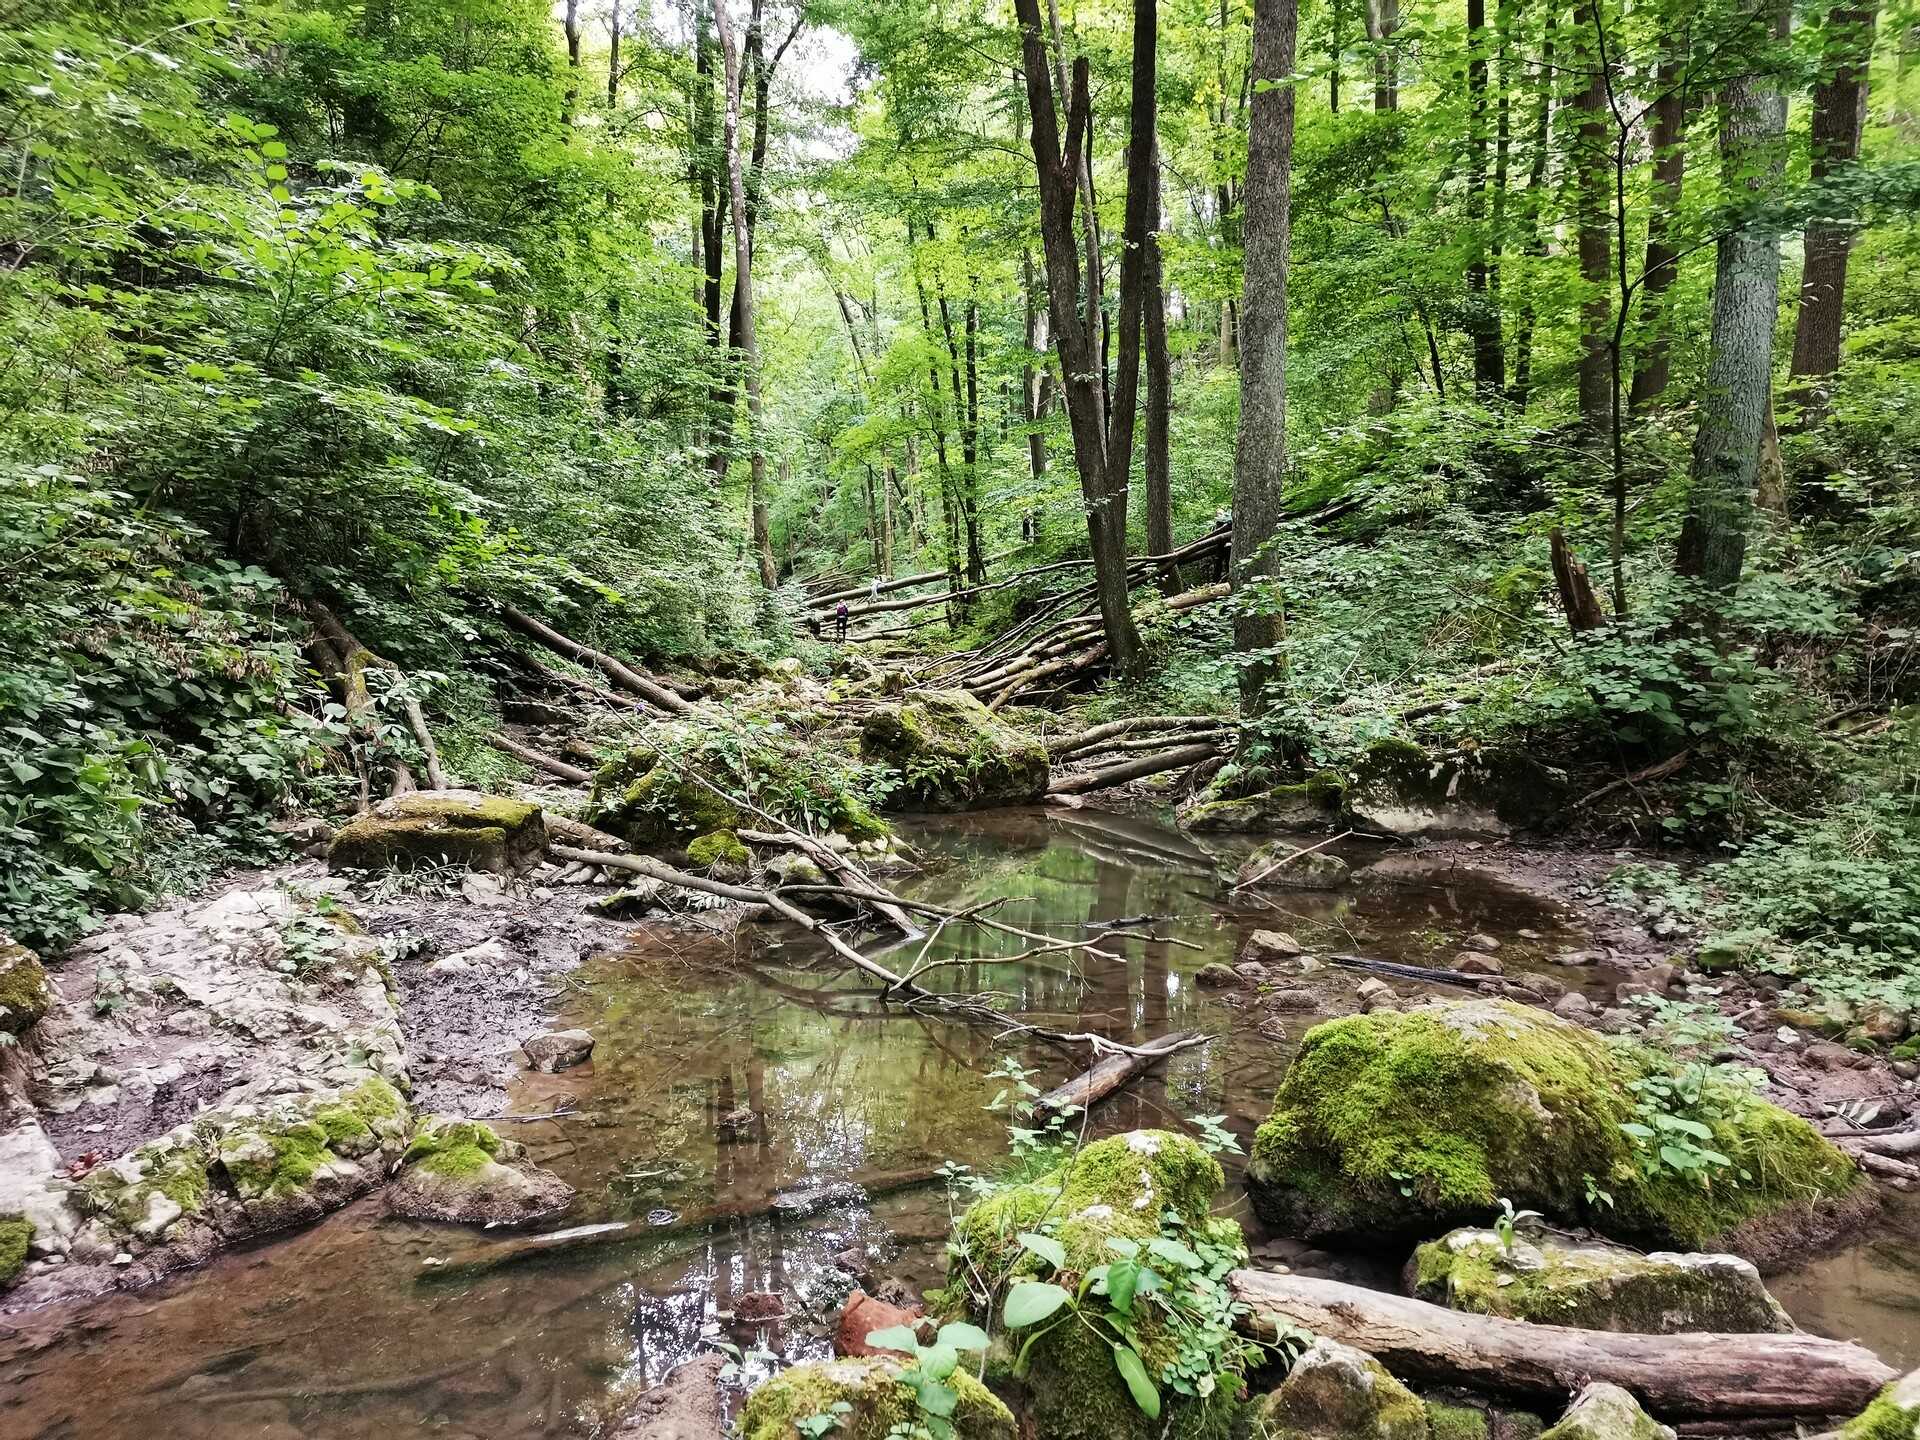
(1032, 377)
(1260, 453)
(571, 25)
(1096, 277)
(1483, 313)
(1662, 266)
(743, 289)
(1839, 113)
(613, 56)
(1159, 476)
(1075, 340)
(1383, 19)
(708, 168)
(1593, 214)
(1735, 396)
(976, 557)
(1536, 246)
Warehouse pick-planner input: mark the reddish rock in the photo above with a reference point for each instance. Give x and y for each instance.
(864, 1315)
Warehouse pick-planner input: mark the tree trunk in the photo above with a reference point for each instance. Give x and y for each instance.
(1383, 19)
(1075, 341)
(1536, 246)
(571, 25)
(1663, 212)
(1159, 477)
(1032, 378)
(743, 292)
(1736, 393)
(1839, 113)
(1260, 452)
(1483, 313)
(1592, 168)
(1690, 1376)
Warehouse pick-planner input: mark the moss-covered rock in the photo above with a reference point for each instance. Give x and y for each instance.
(949, 752)
(1335, 1392)
(1117, 1188)
(443, 827)
(720, 853)
(1409, 1122)
(879, 1404)
(1265, 870)
(1606, 1412)
(466, 1172)
(25, 992)
(16, 1234)
(1402, 789)
(1893, 1415)
(1554, 1279)
(1310, 805)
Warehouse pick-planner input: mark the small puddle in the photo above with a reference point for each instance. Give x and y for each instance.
(730, 1072)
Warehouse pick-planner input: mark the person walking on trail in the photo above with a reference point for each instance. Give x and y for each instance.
(840, 621)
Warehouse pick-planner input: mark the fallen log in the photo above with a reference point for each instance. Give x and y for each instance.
(1659, 770)
(1699, 1376)
(622, 674)
(1120, 774)
(1425, 974)
(584, 836)
(572, 774)
(1062, 746)
(1108, 1075)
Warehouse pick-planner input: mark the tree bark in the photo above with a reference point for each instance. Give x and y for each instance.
(1260, 451)
(1736, 393)
(1159, 464)
(1663, 211)
(1075, 341)
(1839, 113)
(1108, 1075)
(1536, 247)
(1675, 1376)
(1592, 168)
(1483, 312)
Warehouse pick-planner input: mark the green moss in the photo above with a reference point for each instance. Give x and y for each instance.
(720, 848)
(1315, 801)
(174, 1167)
(1894, 1413)
(1421, 1120)
(265, 1162)
(25, 992)
(949, 752)
(1456, 1422)
(480, 831)
(16, 1234)
(880, 1403)
(454, 1148)
(651, 801)
(1606, 1412)
(1335, 1392)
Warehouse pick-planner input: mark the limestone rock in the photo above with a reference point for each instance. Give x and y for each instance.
(1375, 994)
(1893, 1415)
(1416, 1121)
(951, 753)
(1215, 975)
(1472, 962)
(875, 1398)
(1554, 1279)
(551, 1051)
(465, 1172)
(443, 827)
(1318, 871)
(25, 992)
(1271, 945)
(1606, 1412)
(684, 1406)
(1312, 805)
(1335, 1392)
(1401, 789)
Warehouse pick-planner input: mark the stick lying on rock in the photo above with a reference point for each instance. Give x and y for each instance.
(1110, 1073)
(1681, 1376)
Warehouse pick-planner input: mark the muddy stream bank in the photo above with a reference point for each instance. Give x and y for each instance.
(731, 1068)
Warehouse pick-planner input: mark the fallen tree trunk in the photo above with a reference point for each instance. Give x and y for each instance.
(354, 660)
(585, 836)
(622, 674)
(1127, 770)
(1108, 1075)
(573, 774)
(1063, 746)
(1697, 1376)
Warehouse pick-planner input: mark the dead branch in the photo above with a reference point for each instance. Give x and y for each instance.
(647, 688)
(1134, 769)
(1284, 860)
(572, 774)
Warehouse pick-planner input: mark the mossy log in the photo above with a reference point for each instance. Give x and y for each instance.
(1179, 758)
(1699, 1376)
(527, 755)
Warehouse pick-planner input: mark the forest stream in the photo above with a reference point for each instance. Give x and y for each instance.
(729, 1071)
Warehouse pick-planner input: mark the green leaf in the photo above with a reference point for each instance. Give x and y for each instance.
(1123, 1277)
(1030, 1302)
(1133, 1370)
(1047, 1248)
(939, 1361)
(962, 1336)
(938, 1399)
(1169, 1249)
(894, 1337)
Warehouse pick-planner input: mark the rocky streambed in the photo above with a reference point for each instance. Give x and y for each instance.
(203, 1083)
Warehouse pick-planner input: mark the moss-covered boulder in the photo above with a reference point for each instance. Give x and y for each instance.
(1335, 1392)
(1554, 1279)
(1606, 1412)
(947, 752)
(1313, 804)
(721, 854)
(467, 1173)
(1893, 1415)
(443, 827)
(1281, 866)
(16, 1234)
(1400, 788)
(25, 992)
(1130, 1188)
(879, 1404)
(1412, 1122)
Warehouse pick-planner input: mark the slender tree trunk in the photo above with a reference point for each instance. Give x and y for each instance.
(1593, 212)
(1735, 396)
(1075, 340)
(571, 25)
(976, 557)
(1839, 114)
(1159, 477)
(1096, 277)
(1031, 376)
(1260, 454)
(1662, 266)
(743, 289)
(1536, 246)
(1383, 19)
(1483, 313)
(708, 168)
(613, 56)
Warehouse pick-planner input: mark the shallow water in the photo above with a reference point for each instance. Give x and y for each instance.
(344, 1330)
